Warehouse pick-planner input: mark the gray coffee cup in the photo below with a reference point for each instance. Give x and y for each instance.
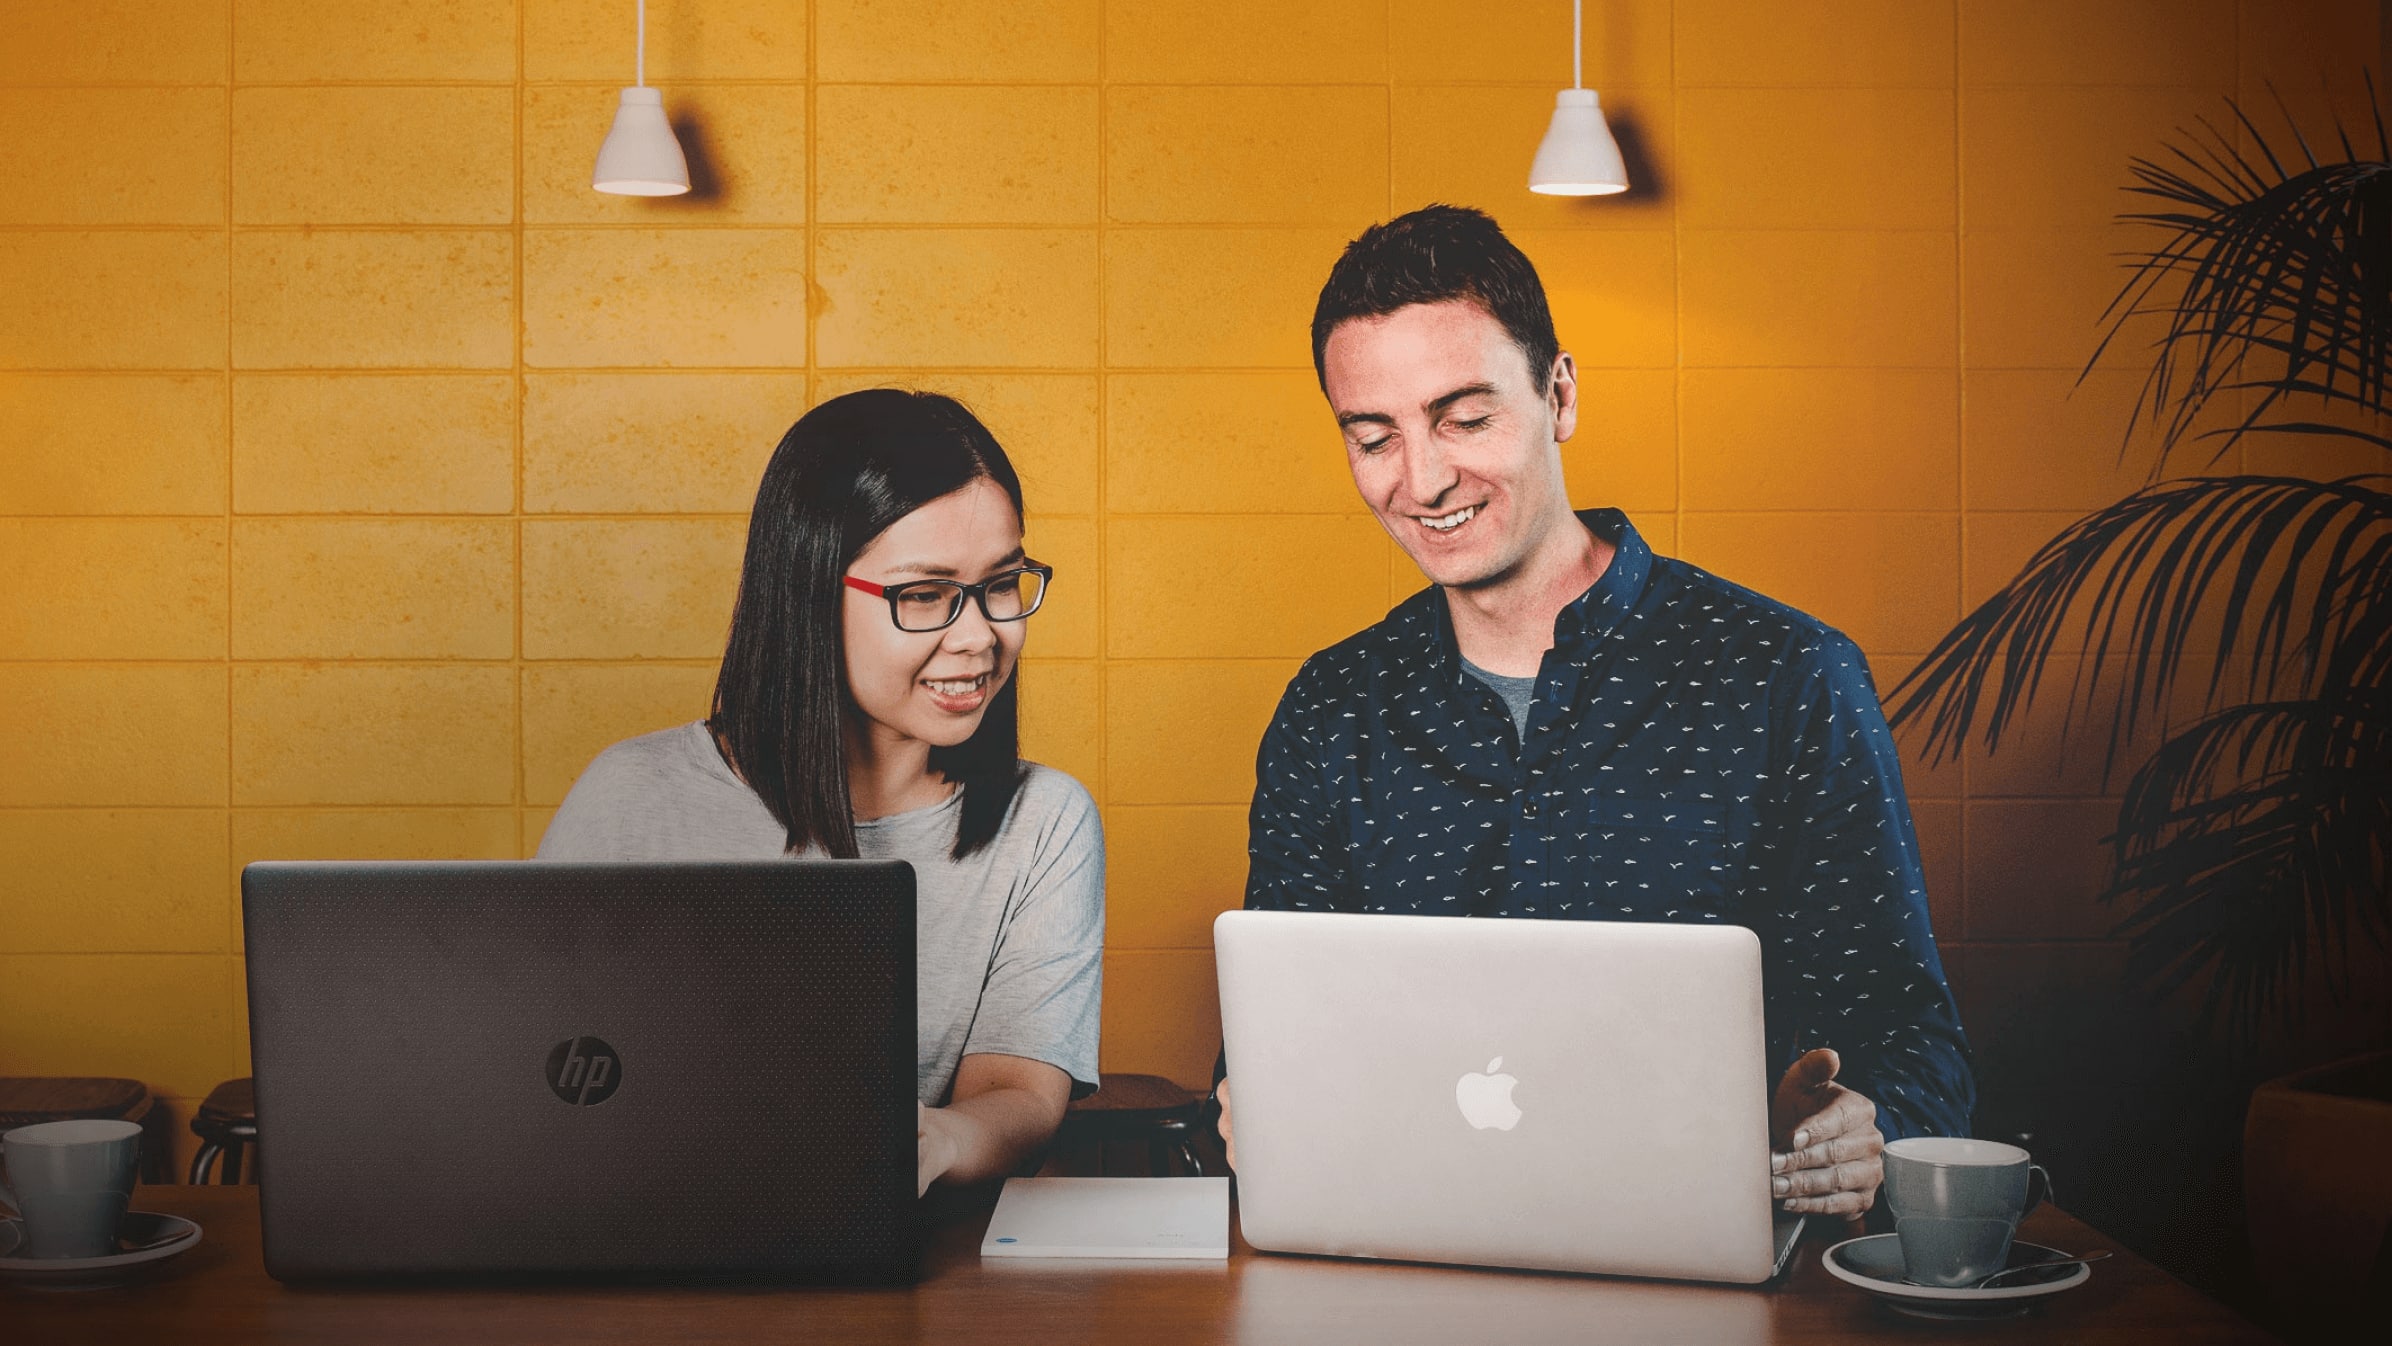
(70, 1182)
(1957, 1203)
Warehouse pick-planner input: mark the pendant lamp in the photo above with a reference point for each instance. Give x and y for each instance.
(641, 157)
(1578, 156)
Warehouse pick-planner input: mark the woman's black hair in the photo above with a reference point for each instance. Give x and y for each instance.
(846, 471)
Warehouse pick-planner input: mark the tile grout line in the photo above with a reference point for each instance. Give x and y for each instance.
(1343, 86)
(1960, 430)
(1348, 85)
(1101, 687)
(811, 313)
(499, 663)
(740, 516)
(768, 371)
(522, 401)
(1392, 555)
(1677, 242)
(490, 806)
(1285, 224)
(233, 934)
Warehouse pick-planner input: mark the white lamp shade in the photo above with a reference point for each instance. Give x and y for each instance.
(641, 157)
(1579, 157)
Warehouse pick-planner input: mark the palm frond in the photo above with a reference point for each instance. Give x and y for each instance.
(2293, 568)
(2260, 832)
(2257, 834)
(2362, 651)
(2271, 280)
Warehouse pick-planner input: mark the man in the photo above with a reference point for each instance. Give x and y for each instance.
(1567, 726)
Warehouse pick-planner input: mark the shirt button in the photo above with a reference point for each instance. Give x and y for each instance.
(1531, 809)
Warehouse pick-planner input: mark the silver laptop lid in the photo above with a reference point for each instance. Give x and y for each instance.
(1560, 1095)
(527, 1068)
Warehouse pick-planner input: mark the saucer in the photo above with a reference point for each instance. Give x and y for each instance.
(1875, 1265)
(91, 1273)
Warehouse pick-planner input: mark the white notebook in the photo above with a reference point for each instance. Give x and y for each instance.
(1110, 1217)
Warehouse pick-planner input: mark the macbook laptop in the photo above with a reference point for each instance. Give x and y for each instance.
(590, 1070)
(1555, 1095)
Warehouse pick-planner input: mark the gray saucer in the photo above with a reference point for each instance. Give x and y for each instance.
(1875, 1265)
(146, 1233)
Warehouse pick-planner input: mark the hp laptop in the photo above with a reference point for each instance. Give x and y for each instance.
(665, 1071)
(1554, 1095)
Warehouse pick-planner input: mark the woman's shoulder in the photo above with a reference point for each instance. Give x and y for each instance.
(1047, 792)
(661, 796)
(645, 770)
(1054, 808)
(645, 757)
(1058, 837)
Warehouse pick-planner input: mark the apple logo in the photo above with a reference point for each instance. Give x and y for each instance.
(1486, 1100)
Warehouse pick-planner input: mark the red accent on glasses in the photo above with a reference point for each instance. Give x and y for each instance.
(1030, 576)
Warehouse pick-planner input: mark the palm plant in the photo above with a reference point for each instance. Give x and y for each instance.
(2254, 838)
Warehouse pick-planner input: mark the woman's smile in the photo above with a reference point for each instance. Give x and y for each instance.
(960, 696)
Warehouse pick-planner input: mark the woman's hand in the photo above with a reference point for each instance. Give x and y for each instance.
(938, 1143)
(1002, 1109)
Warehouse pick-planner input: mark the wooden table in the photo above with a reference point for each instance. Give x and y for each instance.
(219, 1292)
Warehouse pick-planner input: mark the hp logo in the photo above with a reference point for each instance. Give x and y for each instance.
(584, 1071)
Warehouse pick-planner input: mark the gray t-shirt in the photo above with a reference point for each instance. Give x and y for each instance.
(1009, 953)
(1515, 692)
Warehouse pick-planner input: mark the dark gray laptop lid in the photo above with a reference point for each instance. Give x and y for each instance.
(487, 1068)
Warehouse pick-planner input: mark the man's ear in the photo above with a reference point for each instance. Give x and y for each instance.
(1561, 397)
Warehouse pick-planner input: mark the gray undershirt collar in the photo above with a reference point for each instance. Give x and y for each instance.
(1515, 692)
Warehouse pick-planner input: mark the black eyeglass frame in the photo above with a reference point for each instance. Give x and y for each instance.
(978, 593)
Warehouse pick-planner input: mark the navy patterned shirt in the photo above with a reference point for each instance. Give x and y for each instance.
(1694, 752)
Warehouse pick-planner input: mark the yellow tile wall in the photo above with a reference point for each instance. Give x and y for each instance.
(362, 472)
(373, 443)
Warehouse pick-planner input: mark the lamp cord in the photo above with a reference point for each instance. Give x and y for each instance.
(640, 62)
(1577, 43)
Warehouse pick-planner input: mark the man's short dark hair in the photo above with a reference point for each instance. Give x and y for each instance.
(1429, 256)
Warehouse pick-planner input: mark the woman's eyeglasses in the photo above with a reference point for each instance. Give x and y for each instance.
(933, 605)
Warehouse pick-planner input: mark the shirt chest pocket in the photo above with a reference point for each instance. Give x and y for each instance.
(1652, 859)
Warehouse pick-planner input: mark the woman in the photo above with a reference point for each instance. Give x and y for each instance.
(867, 706)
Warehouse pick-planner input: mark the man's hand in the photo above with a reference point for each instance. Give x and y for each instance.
(937, 1144)
(1824, 1141)
(1229, 1147)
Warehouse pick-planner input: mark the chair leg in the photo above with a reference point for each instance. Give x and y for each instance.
(1187, 1155)
(157, 1142)
(204, 1161)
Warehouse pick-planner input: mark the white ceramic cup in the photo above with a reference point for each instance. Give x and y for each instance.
(1957, 1203)
(70, 1182)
